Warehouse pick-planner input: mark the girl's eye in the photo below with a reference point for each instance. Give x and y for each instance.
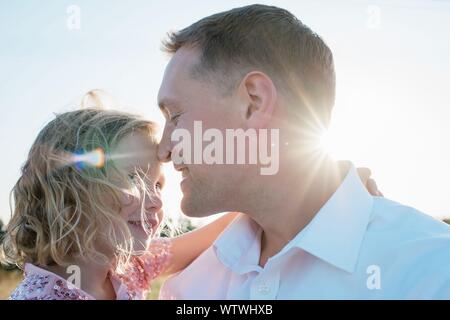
(158, 186)
(132, 176)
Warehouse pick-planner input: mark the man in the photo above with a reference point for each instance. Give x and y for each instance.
(310, 230)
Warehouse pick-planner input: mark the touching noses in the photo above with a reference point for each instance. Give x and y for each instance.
(165, 146)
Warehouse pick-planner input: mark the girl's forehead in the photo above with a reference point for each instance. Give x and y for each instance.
(136, 150)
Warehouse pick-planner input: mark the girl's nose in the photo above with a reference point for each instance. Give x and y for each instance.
(153, 202)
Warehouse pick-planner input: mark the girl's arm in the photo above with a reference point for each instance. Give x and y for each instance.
(187, 247)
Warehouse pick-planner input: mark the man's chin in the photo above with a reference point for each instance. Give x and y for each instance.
(194, 208)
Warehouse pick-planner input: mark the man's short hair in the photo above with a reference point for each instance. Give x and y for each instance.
(267, 39)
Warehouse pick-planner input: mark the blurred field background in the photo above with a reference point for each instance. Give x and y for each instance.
(8, 281)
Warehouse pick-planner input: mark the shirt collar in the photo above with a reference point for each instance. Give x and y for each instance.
(334, 235)
(238, 247)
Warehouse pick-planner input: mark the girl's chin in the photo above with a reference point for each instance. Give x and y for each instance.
(137, 231)
(141, 238)
(140, 245)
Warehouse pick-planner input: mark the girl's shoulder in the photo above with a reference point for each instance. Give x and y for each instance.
(39, 284)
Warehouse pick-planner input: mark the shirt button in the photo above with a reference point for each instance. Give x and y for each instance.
(263, 289)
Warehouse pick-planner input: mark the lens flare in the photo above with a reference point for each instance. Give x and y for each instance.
(94, 158)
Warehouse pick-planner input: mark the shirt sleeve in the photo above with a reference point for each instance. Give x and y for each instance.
(157, 258)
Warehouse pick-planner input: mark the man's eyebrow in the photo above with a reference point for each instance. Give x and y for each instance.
(168, 107)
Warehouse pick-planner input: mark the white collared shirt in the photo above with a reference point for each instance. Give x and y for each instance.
(356, 247)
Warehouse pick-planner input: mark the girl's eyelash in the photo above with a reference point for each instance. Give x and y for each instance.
(132, 176)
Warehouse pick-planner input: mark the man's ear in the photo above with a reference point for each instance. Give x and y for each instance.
(259, 96)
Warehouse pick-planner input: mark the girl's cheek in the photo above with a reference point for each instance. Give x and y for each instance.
(129, 205)
(160, 216)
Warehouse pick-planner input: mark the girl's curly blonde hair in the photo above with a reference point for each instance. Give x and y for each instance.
(60, 210)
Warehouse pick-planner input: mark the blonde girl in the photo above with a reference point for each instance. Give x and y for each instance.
(87, 207)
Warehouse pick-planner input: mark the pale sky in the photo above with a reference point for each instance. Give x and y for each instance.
(392, 63)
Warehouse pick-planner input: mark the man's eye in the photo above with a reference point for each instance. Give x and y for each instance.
(175, 118)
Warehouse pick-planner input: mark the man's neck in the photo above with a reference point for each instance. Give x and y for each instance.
(308, 191)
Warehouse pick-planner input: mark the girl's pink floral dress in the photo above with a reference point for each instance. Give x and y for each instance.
(40, 284)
